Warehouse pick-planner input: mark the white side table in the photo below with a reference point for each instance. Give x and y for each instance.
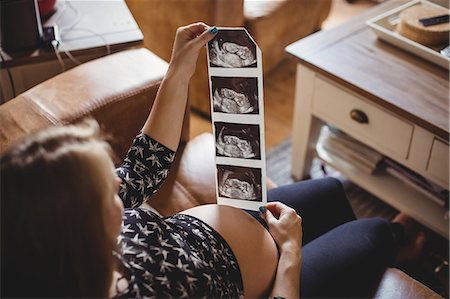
(402, 101)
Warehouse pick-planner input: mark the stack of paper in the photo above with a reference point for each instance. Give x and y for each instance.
(350, 150)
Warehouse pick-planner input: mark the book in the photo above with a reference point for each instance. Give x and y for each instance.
(436, 193)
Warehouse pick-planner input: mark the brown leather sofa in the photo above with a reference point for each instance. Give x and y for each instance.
(118, 90)
(274, 24)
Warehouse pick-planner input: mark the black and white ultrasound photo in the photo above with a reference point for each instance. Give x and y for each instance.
(232, 49)
(238, 182)
(236, 95)
(237, 140)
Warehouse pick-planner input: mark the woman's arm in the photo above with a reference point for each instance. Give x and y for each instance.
(166, 118)
(149, 158)
(285, 226)
(144, 169)
(287, 279)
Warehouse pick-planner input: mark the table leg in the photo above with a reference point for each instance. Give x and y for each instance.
(306, 127)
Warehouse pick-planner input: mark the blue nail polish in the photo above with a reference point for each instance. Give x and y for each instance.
(213, 30)
(262, 209)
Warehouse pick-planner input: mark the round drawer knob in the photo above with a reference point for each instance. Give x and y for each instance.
(359, 116)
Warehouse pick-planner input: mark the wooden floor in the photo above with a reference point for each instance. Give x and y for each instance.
(279, 84)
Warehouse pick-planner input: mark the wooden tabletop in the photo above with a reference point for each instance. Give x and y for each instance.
(405, 84)
(87, 27)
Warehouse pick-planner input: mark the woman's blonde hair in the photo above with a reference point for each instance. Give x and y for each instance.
(54, 240)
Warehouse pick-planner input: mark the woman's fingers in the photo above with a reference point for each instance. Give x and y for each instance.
(272, 211)
(199, 33)
(284, 225)
(188, 42)
(204, 37)
(195, 29)
(277, 208)
(268, 216)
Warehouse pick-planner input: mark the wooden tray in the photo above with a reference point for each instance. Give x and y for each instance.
(385, 26)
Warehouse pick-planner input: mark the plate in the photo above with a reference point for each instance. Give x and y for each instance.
(385, 26)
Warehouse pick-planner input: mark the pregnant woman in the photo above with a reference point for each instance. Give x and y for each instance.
(65, 233)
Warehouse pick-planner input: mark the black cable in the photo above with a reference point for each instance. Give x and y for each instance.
(10, 76)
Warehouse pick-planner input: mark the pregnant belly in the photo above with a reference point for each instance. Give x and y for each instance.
(253, 246)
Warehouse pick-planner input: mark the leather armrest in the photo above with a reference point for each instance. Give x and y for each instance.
(118, 90)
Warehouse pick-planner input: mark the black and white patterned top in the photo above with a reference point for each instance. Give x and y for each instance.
(178, 256)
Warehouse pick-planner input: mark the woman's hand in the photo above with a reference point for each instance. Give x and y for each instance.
(170, 102)
(188, 42)
(285, 226)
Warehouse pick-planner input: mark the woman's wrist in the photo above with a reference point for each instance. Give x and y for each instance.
(287, 279)
(292, 257)
(291, 248)
(177, 73)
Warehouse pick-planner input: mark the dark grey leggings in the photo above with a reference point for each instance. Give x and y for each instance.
(341, 256)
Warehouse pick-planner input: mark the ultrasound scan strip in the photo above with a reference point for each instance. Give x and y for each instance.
(237, 113)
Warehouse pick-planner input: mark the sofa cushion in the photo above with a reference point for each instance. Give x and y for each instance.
(192, 180)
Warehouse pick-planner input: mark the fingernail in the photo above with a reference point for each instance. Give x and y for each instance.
(213, 30)
(262, 209)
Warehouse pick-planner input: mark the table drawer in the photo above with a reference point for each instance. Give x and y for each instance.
(382, 130)
(437, 165)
